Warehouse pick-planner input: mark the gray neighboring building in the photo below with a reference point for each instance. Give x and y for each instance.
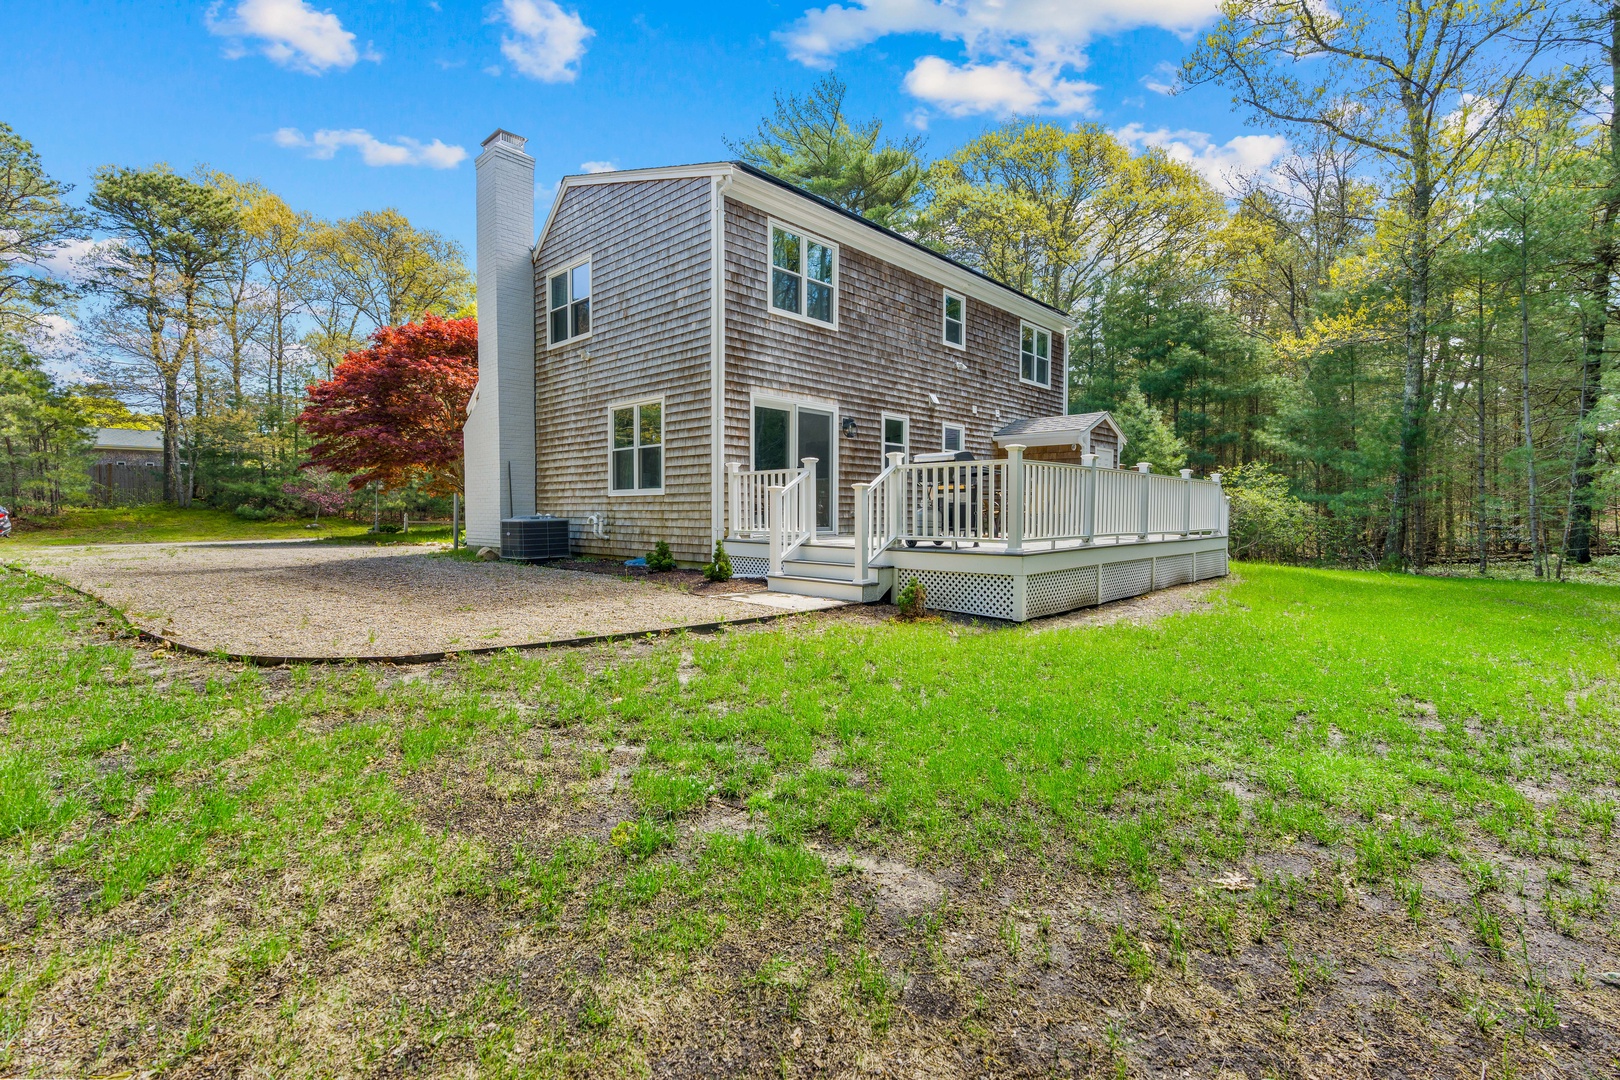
(126, 467)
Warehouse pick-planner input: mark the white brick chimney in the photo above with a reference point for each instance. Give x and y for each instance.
(499, 433)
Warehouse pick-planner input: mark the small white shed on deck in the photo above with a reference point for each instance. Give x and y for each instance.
(1065, 438)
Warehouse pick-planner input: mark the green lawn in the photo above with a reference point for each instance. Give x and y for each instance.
(1330, 824)
(166, 524)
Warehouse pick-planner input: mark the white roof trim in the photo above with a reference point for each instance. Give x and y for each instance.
(803, 210)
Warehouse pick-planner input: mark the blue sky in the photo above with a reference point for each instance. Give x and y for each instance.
(344, 105)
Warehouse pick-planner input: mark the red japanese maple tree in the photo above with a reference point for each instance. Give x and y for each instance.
(392, 412)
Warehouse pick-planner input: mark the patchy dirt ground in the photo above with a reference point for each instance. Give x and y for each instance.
(308, 600)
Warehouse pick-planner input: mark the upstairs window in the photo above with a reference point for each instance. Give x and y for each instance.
(955, 320)
(953, 439)
(804, 275)
(1036, 360)
(638, 447)
(570, 303)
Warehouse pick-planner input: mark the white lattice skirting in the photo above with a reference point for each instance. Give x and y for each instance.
(990, 595)
(1172, 570)
(1061, 590)
(1211, 564)
(750, 566)
(1122, 579)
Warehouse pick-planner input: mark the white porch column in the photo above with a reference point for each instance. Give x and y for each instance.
(733, 499)
(807, 498)
(893, 493)
(1088, 515)
(775, 505)
(863, 532)
(1143, 467)
(1014, 513)
(1186, 502)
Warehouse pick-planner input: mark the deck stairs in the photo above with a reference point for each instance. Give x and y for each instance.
(823, 567)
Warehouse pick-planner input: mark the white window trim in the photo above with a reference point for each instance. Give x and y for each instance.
(663, 435)
(568, 268)
(805, 236)
(883, 419)
(944, 302)
(947, 427)
(775, 400)
(1039, 329)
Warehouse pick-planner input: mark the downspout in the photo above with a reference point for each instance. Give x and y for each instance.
(717, 357)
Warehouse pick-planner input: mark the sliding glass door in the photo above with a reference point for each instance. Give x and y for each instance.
(785, 433)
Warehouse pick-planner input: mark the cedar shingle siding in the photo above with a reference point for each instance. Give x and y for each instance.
(651, 263)
(887, 355)
(650, 314)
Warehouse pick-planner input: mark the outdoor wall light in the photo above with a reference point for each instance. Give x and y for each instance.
(847, 426)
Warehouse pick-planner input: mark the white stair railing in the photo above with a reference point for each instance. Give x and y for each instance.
(792, 519)
(748, 497)
(876, 520)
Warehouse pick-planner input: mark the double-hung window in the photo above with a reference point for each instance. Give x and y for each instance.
(570, 303)
(638, 447)
(894, 437)
(804, 275)
(955, 320)
(1036, 356)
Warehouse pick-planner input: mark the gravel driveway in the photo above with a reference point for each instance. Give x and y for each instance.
(323, 600)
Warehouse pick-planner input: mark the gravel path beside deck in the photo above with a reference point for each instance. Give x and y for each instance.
(320, 600)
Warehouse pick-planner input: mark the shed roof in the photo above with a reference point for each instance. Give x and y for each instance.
(109, 438)
(1055, 430)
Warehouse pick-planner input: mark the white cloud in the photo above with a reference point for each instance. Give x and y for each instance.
(546, 42)
(290, 33)
(1164, 78)
(1000, 88)
(1220, 163)
(597, 166)
(67, 261)
(1020, 54)
(325, 144)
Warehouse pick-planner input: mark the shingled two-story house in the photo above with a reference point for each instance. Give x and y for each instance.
(681, 342)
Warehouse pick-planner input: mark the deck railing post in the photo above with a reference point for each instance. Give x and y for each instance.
(1186, 502)
(807, 499)
(893, 490)
(775, 507)
(1220, 505)
(863, 532)
(734, 497)
(1143, 467)
(1014, 514)
(1088, 512)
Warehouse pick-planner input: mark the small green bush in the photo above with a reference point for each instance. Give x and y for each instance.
(387, 528)
(912, 599)
(253, 513)
(659, 558)
(1268, 522)
(719, 569)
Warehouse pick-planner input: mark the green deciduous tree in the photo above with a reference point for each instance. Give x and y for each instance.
(1420, 85)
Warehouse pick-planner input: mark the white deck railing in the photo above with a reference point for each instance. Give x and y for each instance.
(1012, 502)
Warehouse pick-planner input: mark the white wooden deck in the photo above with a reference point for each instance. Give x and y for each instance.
(1006, 539)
